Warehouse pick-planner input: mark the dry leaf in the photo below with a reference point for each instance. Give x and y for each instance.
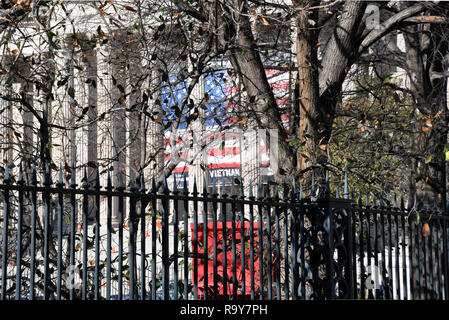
(424, 129)
(347, 106)
(129, 8)
(263, 20)
(159, 119)
(425, 229)
(323, 147)
(243, 120)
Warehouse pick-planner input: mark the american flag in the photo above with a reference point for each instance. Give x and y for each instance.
(222, 152)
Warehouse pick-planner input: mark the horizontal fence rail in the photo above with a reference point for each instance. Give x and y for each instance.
(144, 242)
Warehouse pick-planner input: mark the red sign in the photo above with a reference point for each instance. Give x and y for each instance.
(239, 269)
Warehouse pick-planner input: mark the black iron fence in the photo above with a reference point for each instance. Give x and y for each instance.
(69, 241)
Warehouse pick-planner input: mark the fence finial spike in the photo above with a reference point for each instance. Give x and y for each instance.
(120, 179)
(214, 187)
(232, 189)
(251, 189)
(20, 180)
(153, 185)
(346, 188)
(301, 193)
(381, 201)
(259, 190)
(47, 179)
(204, 185)
(184, 186)
(132, 186)
(293, 185)
(175, 184)
(367, 198)
(34, 175)
(337, 192)
(165, 184)
(242, 194)
(327, 189)
(109, 182)
(276, 194)
(142, 181)
(285, 191)
(61, 179)
(312, 189)
(395, 202)
(85, 183)
(374, 200)
(97, 178)
(73, 177)
(359, 198)
(402, 203)
(195, 187)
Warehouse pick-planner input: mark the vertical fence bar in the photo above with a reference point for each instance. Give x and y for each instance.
(269, 251)
(435, 237)
(33, 233)
(6, 212)
(431, 288)
(108, 236)
(205, 243)
(214, 244)
(165, 243)
(300, 220)
(175, 239)
(285, 240)
(361, 251)
(225, 242)
(97, 235)
(153, 239)
(20, 183)
(242, 241)
(132, 239)
(369, 252)
(120, 189)
(186, 240)
(411, 249)
(376, 247)
(73, 186)
(277, 245)
(404, 251)
(143, 204)
(233, 243)
(260, 235)
(195, 240)
(251, 241)
(60, 185)
(385, 279)
(396, 250)
(445, 257)
(47, 227)
(425, 260)
(85, 228)
(390, 252)
(348, 241)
